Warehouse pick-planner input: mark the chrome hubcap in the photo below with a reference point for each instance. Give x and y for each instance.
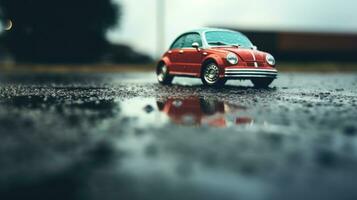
(162, 73)
(211, 74)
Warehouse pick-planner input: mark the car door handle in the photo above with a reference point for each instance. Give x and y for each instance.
(181, 51)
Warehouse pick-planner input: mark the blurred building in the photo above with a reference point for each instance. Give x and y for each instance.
(305, 46)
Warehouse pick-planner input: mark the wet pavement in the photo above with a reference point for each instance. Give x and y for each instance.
(122, 136)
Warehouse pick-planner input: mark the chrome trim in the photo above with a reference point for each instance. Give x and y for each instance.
(251, 76)
(253, 55)
(270, 73)
(255, 59)
(250, 73)
(239, 69)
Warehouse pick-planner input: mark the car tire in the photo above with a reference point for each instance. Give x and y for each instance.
(210, 75)
(262, 82)
(163, 76)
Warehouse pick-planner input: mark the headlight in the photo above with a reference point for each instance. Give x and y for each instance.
(232, 58)
(270, 60)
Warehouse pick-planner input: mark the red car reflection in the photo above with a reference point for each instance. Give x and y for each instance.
(197, 111)
(216, 55)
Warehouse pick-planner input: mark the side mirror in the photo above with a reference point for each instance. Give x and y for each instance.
(255, 48)
(196, 45)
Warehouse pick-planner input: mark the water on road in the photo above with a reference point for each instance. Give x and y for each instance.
(123, 136)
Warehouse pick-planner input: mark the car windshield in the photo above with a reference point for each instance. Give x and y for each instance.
(227, 38)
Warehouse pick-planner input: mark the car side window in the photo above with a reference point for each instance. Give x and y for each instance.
(191, 38)
(178, 43)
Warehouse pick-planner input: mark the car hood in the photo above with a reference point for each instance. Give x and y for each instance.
(247, 55)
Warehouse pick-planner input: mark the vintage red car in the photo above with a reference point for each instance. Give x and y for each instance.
(215, 56)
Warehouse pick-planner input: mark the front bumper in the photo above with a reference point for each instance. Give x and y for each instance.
(247, 73)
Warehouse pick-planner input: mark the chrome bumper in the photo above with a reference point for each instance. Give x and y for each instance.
(250, 73)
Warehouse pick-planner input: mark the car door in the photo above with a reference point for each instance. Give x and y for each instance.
(175, 54)
(191, 58)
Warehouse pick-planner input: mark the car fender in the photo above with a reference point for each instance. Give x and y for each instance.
(217, 59)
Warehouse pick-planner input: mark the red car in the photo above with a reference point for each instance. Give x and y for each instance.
(216, 55)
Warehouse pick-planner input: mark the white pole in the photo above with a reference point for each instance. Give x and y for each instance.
(160, 27)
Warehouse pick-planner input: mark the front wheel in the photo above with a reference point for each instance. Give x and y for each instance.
(163, 75)
(262, 82)
(210, 75)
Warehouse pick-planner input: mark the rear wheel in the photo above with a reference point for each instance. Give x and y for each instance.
(262, 82)
(163, 75)
(210, 75)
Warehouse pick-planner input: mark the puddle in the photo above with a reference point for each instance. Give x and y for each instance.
(191, 111)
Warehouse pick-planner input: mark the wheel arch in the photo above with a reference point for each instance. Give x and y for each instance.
(216, 59)
(164, 61)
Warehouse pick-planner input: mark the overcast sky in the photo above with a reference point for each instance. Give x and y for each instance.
(139, 17)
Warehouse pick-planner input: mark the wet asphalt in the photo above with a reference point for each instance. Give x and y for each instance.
(123, 136)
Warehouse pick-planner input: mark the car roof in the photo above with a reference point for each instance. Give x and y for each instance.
(202, 30)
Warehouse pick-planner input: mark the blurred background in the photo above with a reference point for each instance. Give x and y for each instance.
(69, 131)
(131, 35)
